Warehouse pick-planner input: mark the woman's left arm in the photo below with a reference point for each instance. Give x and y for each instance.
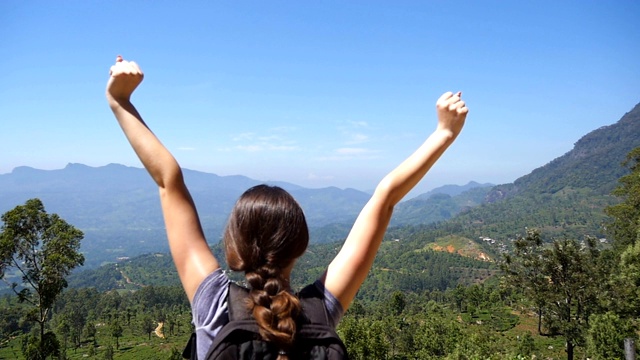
(191, 253)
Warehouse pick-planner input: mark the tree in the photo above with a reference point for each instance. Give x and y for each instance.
(459, 296)
(44, 249)
(10, 315)
(624, 227)
(573, 288)
(397, 303)
(562, 279)
(35, 348)
(438, 333)
(625, 224)
(625, 283)
(108, 353)
(526, 345)
(364, 338)
(524, 271)
(92, 350)
(76, 318)
(147, 325)
(63, 328)
(116, 331)
(90, 331)
(605, 339)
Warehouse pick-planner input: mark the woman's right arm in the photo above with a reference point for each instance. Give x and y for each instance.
(191, 254)
(350, 267)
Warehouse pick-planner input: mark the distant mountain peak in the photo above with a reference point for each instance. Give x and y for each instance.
(453, 190)
(77, 165)
(23, 169)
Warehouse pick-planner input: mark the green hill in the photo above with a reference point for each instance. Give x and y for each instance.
(564, 198)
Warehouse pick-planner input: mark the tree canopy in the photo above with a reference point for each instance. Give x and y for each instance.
(625, 216)
(43, 249)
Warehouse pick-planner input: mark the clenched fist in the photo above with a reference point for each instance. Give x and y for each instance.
(452, 112)
(125, 78)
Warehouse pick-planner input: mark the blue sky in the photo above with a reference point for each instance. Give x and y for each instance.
(318, 93)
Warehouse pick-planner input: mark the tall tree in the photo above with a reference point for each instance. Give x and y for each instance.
(44, 249)
(147, 325)
(625, 283)
(116, 331)
(524, 271)
(573, 288)
(624, 226)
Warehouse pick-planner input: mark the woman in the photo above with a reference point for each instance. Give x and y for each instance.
(267, 232)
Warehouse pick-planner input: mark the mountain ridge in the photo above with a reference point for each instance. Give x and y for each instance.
(118, 209)
(564, 197)
(593, 152)
(453, 190)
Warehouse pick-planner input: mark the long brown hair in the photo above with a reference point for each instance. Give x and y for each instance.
(266, 233)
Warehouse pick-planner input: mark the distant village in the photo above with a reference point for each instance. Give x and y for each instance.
(503, 248)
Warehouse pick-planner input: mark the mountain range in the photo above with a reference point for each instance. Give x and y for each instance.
(118, 209)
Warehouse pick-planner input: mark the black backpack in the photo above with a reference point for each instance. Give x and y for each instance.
(240, 339)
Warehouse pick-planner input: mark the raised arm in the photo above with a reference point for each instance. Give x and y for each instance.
(352, 264)
(189, 249)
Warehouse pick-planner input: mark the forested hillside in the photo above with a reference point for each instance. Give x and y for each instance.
(438, 207)
(566, 197)
(594, 162)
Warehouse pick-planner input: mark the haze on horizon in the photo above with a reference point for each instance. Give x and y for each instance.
(317, 94)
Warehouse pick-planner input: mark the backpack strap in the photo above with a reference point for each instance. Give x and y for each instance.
(191, 350)
(241, 326)
(313, 307)
(237, 299)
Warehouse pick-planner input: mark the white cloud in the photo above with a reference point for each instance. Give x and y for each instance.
(253, 142)
(313, 176)
(244, 136)
(352, 151)
(358, 139)
(283, 148)
(362, 124)
(250, 148)
(354, 132)
(269, 138)
(282, 129)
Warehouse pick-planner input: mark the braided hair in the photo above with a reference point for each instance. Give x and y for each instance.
(266, 233)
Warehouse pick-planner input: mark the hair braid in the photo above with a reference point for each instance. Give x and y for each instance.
(273, 307)
(265, 234)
